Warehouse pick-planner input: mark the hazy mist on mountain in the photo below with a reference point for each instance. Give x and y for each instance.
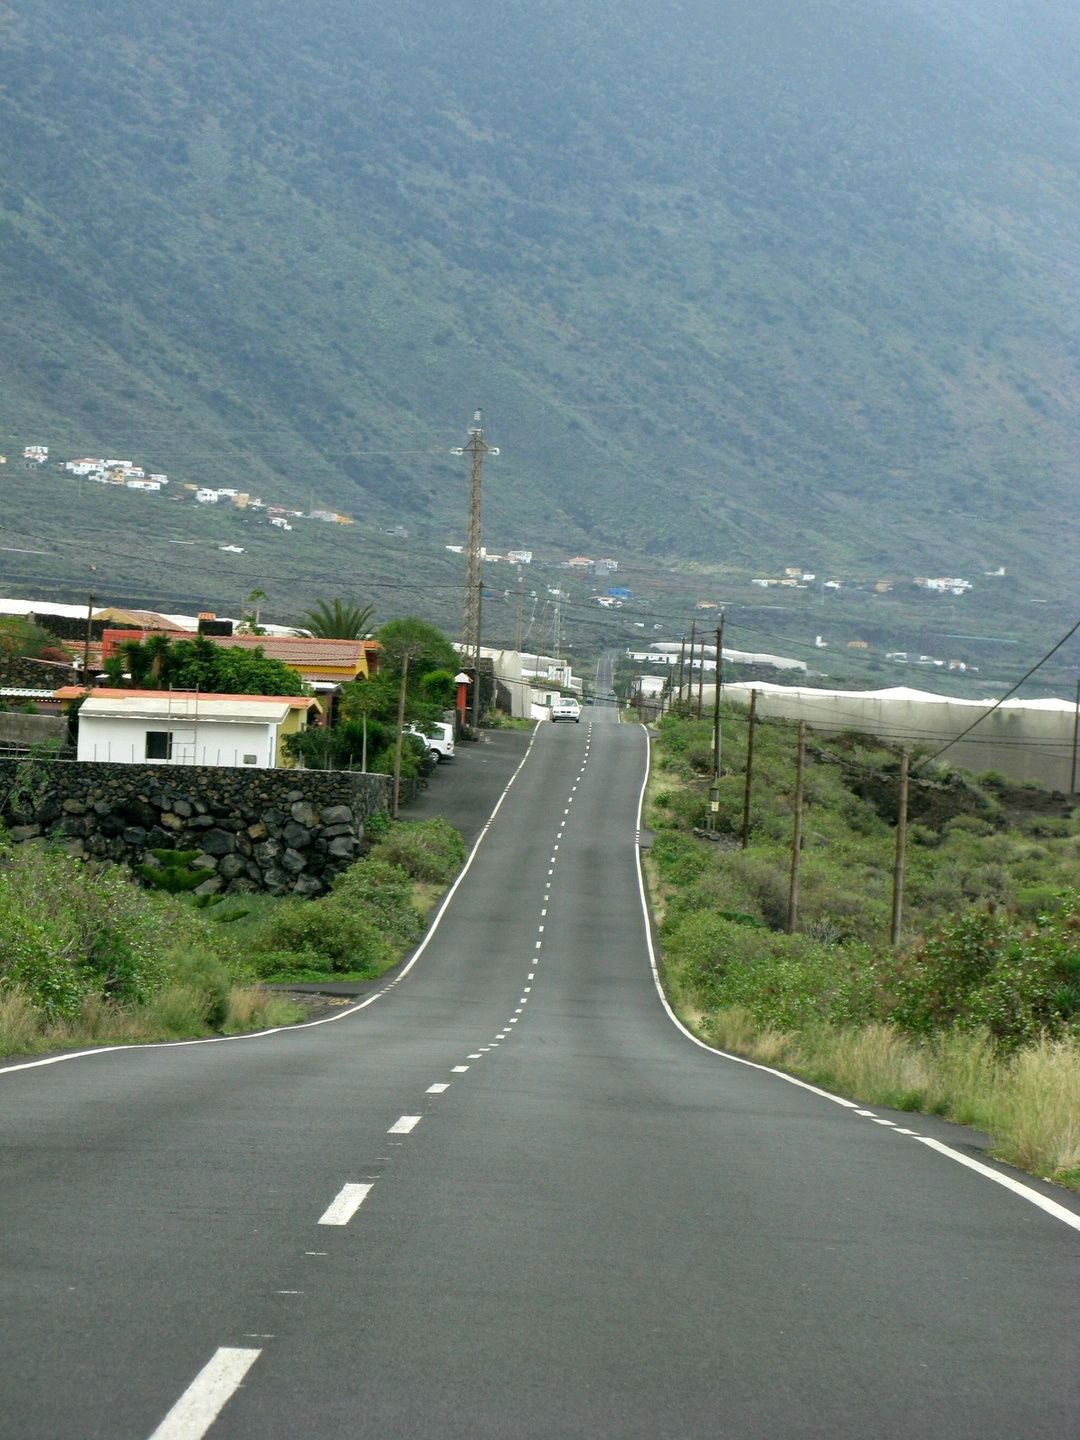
(732, 282)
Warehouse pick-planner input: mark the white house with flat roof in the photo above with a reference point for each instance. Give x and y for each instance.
(140, 727)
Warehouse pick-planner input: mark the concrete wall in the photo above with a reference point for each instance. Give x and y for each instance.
(282, 831)
(1025, 740)
(18, 728)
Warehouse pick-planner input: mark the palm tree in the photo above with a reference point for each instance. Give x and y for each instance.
(338, 620)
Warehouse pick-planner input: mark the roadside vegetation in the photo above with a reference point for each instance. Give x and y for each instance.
(365, 735)
(975, 1015)
(91, 957)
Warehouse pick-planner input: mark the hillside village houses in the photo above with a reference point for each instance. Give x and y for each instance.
(128, 475)
(944, 585)
(512, 557)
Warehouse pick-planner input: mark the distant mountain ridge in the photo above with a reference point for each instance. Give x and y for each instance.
(770, 282)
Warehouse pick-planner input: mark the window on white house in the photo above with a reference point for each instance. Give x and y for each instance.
(159, 744)
(251, 759)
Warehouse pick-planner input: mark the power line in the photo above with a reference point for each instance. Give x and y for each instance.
(1004, 697)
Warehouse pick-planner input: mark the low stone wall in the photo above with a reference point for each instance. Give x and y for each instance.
(35, 674)
(282, 831)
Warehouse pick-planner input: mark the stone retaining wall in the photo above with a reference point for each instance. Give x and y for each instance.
(282, 831)
(35, 674)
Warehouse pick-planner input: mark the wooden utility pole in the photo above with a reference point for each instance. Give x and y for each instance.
(749, 771)
(400, 728)
(682, 660)
(716, 712)
(796, 839)
(1076, 735)
(720, 654)
(476, 687)
(901, 838)
(690, 672)
(701, 678)
(518, 617)
(89, 635)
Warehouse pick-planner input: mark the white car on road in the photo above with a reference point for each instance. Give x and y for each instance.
(566, 710)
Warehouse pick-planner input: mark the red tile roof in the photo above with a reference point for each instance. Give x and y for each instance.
(299, 649)
(75, 692)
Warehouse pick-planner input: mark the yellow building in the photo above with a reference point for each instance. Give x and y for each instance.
(316, 661)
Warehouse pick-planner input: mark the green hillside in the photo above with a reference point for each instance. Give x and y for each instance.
(734, 283)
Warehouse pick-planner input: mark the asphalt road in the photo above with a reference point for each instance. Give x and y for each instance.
(559, 1216)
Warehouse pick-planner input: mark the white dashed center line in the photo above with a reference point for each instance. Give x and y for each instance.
(405, 1125)
(437, 1089)
(205, 1398)
(458, 1069)
(344, 1205)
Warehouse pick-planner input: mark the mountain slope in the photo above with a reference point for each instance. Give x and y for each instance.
(770, 282)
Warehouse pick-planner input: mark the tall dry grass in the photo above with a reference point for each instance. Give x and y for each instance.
(1036, 1113)
(177, 1012)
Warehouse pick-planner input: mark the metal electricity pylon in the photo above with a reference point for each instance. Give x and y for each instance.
(476, 449)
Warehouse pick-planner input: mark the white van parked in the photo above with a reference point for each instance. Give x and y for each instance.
(440, 743)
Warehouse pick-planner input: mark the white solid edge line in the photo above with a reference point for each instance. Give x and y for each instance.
(1068, 1217)
(205, 1398)
(307, 1024)
(1051, 1207)
(345, 1204)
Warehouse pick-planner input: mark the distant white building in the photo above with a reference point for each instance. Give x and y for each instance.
(945, 584)
(517, 557)
(206, 497)
(143, 484)
(39, 453)
(279, 522)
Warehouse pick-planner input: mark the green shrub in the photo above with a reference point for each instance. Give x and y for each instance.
(384, 893)
(327, 935)
(679, 859)
(172, 871)
(429, 850)
(70, 931)
(986, 969)
(206, 981)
